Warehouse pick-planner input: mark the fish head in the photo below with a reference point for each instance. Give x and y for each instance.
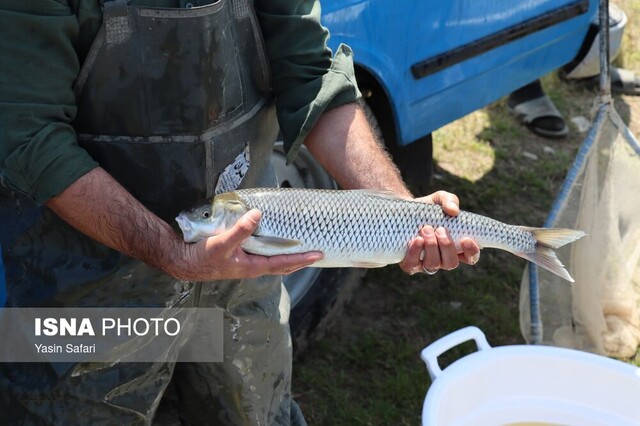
(211, 219)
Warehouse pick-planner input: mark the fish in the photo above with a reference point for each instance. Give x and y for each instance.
(361, 228)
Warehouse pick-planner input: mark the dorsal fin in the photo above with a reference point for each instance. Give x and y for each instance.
(380, 193)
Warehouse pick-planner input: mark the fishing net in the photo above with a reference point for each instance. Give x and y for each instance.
(600, 312)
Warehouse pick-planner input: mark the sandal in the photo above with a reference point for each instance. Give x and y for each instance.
(541, 116)
(623, 81)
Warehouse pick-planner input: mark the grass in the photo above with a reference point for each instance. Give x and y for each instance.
(366, 370)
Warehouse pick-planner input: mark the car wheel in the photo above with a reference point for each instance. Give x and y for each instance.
(317, 294)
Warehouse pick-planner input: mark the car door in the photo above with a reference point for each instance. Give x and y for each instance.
(436, 61)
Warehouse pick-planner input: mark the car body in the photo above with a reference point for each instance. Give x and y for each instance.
(431, 62)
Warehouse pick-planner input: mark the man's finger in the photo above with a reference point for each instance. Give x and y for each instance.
(288, 263)
(432, 260)
(449, 202)
(411, 262)
(448, 254)
(242, 229)
(470, 251)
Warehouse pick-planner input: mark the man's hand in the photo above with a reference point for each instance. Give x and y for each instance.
(434, 249)
(221, 256)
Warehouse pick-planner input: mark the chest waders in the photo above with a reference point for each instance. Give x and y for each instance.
(167, 98)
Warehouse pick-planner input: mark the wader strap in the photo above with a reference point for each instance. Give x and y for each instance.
(118, 29)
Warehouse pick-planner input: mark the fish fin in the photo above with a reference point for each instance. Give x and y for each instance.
(555, 237)
(547, 240)
(547, 259)
(365, 264)
(381, 193)
(274, 242)
(344, 263)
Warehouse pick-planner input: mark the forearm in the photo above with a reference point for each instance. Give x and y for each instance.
(343, 143)
(98, 206)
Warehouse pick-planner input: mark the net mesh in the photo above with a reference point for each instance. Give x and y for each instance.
(600, 312)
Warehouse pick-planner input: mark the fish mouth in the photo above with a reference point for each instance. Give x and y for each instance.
(185, 226)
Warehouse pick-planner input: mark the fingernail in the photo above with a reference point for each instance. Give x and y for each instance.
(427, 231)
(314, 257)
(468, 245)
(441, 232)
(254, 215)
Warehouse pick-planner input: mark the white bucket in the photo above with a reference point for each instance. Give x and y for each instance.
(528, 385)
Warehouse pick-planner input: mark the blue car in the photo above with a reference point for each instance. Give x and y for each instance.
(421, 64)
(424, 63)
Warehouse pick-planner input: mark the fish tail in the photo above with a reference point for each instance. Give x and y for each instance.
(548, 239)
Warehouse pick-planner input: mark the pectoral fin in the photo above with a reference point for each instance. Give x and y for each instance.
(276, 242)
(363, 264)
(269, 246)
(345, 263)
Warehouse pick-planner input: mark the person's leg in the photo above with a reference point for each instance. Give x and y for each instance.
(95, 393)
(536, 111)
(253, 383)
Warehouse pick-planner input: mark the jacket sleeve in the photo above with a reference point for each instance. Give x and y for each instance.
(39, 154)
(307, 79)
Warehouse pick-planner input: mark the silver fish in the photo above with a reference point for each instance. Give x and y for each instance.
(361, 228)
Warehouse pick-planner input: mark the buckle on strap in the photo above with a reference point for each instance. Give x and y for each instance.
(117, 22)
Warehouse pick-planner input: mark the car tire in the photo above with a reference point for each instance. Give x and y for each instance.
(318, 295)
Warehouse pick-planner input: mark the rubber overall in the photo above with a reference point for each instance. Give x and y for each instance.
(167, 98)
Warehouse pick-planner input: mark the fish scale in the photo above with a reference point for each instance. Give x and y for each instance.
(358, 226)
(361, 228)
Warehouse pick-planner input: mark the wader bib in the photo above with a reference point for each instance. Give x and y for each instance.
(167, 99)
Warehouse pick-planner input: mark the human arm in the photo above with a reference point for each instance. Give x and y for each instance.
(315, 96)
(41, 159)
(99, 207)
(343, 143)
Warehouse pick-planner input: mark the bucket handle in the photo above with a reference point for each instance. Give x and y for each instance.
(431, 353)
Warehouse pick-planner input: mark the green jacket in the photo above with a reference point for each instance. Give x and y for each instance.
(43, 43)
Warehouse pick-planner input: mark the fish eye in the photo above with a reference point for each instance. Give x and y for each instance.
(206, 214)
